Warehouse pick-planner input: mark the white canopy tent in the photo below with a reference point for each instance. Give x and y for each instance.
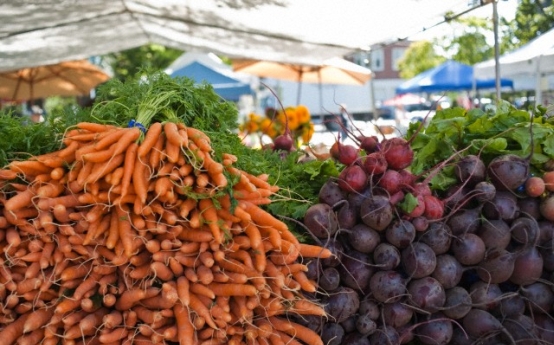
(534, 60)
(44, 32)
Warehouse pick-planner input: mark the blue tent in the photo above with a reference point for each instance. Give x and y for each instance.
(227, 87)
(450, 76)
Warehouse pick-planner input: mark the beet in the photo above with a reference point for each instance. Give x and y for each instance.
(355, 270)
(504, 205)
(528, 266)
(497, 267)
(480, 323)
(363, 238)
(418, 260)
(348, 154)
(386, 256)
(539, 296)
(398, 153)
(434, 207)
(330, 193)
(375, 163)
(342, 304)
(391, 181)
(332, 333)
(448, 271)
(376, 212)
(435, 331)
(384, 336)
(521, 329)
(508, 172)
(352, 179)
(438, 237)
(329, 279)
(401, 233)
(485, 295)
(397, 314)
(427, 294)
(484, 191)
(530, 207)
(458, 303)
(370, 307)
(369, 144)
(468, 249)
(321, 221)
(336, 248)
(470, 170)
(465, 221)
(365, 325)
(347, 216)
(545, 328)
(420, 224)
(387, 286)
(355, 338)
(525, 230)
(509, 306)
(495, 233)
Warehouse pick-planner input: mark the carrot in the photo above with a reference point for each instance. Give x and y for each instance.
(113, 231)
(29, 167)
(209, 213)
(6, 174)
(150, 139)
(313, 251)
(140, 182)
(295, 330)
(104, 167)
(161, 271)
(201, 310)
(183, 290)
(37, 319)
(129, 298)
(94, 127)
(185, 328)
(71, 200)
(87, 285)
(126, 235)
(202, 289)
(172, 151)
(110, 137)
(230, 289)
(67, 305)
(262, 217)
(306, 307)
(199, 138)
(112, 336)
(128, 167)
(35, 337)
(19, 200)
(171, 131)
(113, 319)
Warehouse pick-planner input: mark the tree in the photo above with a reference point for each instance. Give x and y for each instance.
(151, 57)
(471, 46)
(533, 17)
(419, 57)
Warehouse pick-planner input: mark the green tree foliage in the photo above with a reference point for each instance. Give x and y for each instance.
(533, 17)
(472, 46)
(419, 57)
(152, 57)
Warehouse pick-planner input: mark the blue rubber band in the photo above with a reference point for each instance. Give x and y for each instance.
(133, 123)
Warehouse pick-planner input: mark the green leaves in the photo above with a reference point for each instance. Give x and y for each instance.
(456, 131)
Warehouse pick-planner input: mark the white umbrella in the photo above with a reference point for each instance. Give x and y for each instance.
(331, 71)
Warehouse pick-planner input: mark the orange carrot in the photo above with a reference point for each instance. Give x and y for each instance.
(313, 251)
(94, 127)
(129, 298)
(140, 182)
(295, 330)
(19, 200)
(201, 289)
(13, 330)
(196, 304)
(126, 235)
(199, 138)
(185, 329)
(209, 213)
(150, 139)
(129, 166)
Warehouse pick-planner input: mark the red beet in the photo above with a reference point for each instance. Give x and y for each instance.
(352, 178)
(434, 208)
(391, 181)
(375, 163)
(398, 153)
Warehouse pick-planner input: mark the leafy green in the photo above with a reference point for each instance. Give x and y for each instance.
(455, 132)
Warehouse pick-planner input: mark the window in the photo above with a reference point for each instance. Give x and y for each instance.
(377, 60)
(397, 54)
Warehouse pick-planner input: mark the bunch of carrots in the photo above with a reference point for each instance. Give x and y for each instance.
(135, 236)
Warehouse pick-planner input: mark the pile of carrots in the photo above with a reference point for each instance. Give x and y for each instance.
(130, 236)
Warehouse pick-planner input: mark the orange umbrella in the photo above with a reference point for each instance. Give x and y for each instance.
(71, 78)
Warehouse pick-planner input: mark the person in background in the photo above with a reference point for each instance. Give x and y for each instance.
(37, 114)
(344, 122)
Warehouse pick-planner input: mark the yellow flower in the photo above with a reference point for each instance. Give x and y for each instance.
(307, 132)
(293, 119)
(251, 127)
(254, 117)
(303, 114)
(266, 125)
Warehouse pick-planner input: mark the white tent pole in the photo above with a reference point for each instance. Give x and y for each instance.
(496, 50)
(538, 82)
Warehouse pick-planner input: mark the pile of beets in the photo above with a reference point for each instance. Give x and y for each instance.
(473, 265)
